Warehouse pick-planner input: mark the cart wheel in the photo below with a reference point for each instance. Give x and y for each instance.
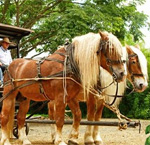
(15, 130)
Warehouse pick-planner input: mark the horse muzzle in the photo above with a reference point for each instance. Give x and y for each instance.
(140, 85)
(119, 76)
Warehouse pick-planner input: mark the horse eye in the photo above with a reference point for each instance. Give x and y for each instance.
(97, 52)
(108, 61)
(123, 61)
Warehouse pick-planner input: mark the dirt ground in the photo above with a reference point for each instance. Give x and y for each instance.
(39, 134)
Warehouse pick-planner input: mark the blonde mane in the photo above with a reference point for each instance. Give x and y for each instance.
(85, 54)
(114, 42)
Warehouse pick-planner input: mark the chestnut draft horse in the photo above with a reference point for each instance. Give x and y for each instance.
(137, 75)
(55, 78)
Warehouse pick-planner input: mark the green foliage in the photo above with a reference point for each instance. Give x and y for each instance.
(147, 141)
(147, 131)
(54, 21)
(136, 105)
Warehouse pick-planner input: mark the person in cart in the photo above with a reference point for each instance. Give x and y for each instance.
(5, 57)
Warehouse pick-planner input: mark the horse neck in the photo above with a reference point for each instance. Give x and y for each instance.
(106, 79)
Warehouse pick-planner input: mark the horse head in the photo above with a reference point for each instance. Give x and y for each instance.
(137, 69)
(112, 56)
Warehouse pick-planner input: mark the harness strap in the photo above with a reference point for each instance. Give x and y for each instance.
(72, 63)
(64, 76)
(40, 76)
(132, 55)
(53, 59)
(39, 68)
(137, 74)
(39, 72)
(115, 96)
(60, 53)
(10, 77)
(15, 88)
(42, 90)
(118, 96)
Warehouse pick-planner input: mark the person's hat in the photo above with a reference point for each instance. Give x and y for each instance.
(6, 40)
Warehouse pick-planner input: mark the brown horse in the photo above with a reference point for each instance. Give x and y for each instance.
(57, 78)
(137, 75)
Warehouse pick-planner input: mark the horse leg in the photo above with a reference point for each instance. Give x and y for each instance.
(7, 118)
(75, 108)
(21, 116)
(88, 137)
(98, 115)
(59, 118)
(51, 111)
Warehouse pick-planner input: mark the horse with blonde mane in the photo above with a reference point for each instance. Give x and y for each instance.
(59, 77)
(137, 75)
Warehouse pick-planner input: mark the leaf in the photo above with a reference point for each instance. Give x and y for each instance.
(147, 130)
(147, 141)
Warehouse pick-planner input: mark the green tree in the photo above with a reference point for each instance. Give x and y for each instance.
(54, 20)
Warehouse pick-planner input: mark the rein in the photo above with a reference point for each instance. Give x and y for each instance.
(115, 96)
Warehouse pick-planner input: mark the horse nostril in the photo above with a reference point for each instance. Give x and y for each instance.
(122, 73)
(141, 85)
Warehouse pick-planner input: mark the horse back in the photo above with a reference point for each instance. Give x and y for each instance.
(27, 68)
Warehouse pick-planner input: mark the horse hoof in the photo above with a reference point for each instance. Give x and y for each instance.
(71, 142)
(52, 141)
(98, 142)
(6, 142)
(62, 143)
(26, 142)
(89, 143)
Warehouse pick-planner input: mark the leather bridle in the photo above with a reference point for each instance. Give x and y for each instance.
(133, 75)
(103, 47)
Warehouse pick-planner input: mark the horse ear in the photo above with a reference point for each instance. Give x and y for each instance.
(104, 35)
(137, 46)
(129, 50)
